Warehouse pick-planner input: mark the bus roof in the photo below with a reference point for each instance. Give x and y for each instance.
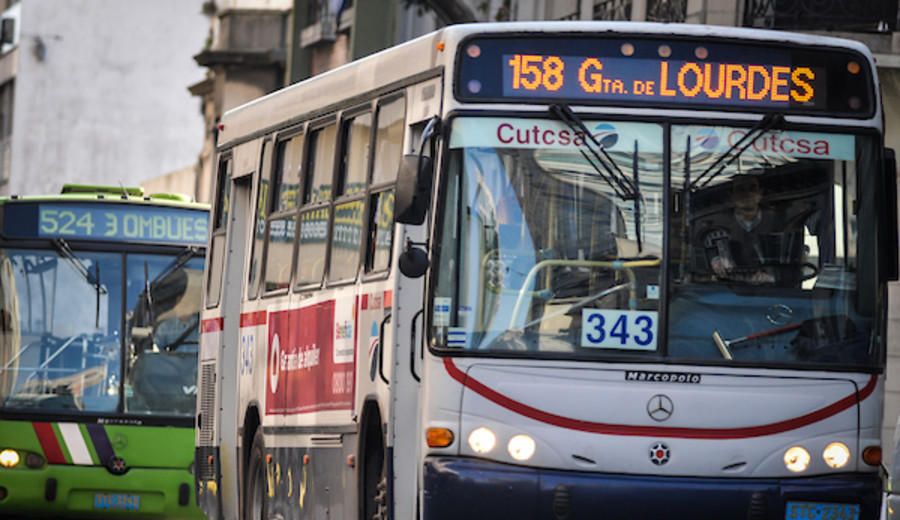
(86, 192)
(424, 56)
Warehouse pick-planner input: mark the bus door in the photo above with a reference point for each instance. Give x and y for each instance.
(229, 239)
(404, 427)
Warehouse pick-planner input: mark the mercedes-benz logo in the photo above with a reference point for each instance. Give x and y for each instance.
(119, 441)
(779, 314)
(660, 407)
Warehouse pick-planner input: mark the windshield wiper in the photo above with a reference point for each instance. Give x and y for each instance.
(765, 124)
(175, 264)
(65, 251)
(610, 171)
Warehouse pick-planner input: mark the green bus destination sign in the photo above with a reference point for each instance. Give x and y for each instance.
(652, 71)
(109, 222)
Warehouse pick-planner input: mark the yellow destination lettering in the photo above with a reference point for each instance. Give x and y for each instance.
(553, 73)
(803, 91)
(713, 93)
(596, 79)
(664, 80)
(780, 83)
(698, 79)
(757, 71)
(515, 63)
(736, 78)
(530, 66)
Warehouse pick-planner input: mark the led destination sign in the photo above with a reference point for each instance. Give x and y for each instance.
(617, 78)
(655, 72)
(106, 222)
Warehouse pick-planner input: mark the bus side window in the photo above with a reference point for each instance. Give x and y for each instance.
(285, 186)
(219, 227)
(263, 209)
(316, 208)
(386, 157)
(356, 136)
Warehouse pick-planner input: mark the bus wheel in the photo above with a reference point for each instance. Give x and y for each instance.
(375, 481)
(255, 481)
(380, 501)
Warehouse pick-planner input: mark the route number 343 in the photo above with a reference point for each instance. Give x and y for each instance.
(627, 330)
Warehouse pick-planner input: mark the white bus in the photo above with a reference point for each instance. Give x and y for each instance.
(553, 270)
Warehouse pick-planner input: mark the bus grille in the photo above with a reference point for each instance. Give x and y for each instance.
(207, 403)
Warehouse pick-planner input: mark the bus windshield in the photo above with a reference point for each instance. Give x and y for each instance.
(99, 332)
(552, 242)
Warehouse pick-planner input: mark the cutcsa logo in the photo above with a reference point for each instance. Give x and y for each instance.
(606, 134)
(707, 139)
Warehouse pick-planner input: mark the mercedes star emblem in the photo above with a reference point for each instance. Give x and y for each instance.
(660, 407)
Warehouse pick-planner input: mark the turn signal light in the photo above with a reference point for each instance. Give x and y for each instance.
(439, 437)
(872, 455)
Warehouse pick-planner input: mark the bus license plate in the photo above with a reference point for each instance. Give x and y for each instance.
(820, 511)
(116, 501)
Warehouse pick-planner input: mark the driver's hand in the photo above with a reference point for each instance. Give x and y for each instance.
(761, 278)
(721, 265)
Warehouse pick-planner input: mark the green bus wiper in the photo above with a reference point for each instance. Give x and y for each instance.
(610, 171)
(65, 251)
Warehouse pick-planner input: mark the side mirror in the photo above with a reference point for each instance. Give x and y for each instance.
(413, 261)
(889, 216)
(413, 188)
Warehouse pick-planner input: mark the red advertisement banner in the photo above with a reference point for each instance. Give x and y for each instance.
(303, 373)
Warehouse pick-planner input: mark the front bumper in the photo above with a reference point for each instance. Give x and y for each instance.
(473, 489)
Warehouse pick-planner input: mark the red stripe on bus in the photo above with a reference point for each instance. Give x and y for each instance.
(49, 443)
(388, 299)
(658, 431)
(212, 325)
(252, 319)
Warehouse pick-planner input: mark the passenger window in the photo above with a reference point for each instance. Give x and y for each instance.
(316, 208)
(259, 228)
(355, 157)
(313, 239)
(348, 210)
(348, 224)
(283, 221)
(217, 237)
(385, 163)
(289, 171)
(388, 141)
(382, 231)
(319, 165)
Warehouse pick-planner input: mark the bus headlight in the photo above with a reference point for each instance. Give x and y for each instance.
(836, 455)
(521, 447)
(9, 458)
(482, 440)
(796, 459)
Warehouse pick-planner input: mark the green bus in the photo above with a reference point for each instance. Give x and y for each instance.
(100, 290)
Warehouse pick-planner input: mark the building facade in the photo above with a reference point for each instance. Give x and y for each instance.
(93, 92)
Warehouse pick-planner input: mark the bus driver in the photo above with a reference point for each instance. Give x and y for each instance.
(751, 246)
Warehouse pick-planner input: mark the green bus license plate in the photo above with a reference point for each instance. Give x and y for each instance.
(116, 501)
(820, 511)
